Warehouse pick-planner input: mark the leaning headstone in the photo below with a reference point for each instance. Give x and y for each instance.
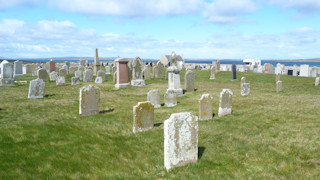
(87, 75)
(279, 86)
(245, 89)
(42, 74)
(154, 97)
(189, 81)
(143, 117)
(75, 81)
(170, 98)
(234, 72)
(98, 80)
(225, 104)
(101, 74)
(17, 69)
(36, 88)
(278, 77)
(180, 140)
(6, 76)
(213, 72)
(53, 76)
(63, 72)
(316, 83)
(61, 81)
(89, 100)
(205, 107)
(137, 80)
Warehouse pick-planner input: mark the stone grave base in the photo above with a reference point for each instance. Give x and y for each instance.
(137, 83)
(6, 82)
(123, 85)
(18, 75)
(179, 92)
(224, 111)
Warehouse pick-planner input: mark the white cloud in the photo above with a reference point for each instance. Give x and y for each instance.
(303, 6)
(11, 3)
(228, 11)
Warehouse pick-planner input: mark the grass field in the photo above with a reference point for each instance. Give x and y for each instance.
(268, 135)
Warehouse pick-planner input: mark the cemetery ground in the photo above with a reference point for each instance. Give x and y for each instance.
(268, 134)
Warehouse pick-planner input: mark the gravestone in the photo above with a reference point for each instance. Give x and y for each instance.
(122, 73)
(83, 63)
(225, 104)
(17, 66)
(101, 74)
(29, 68)
(78, 74)
(36, 89)
(137, 80)
(72, 70)
(143, 117)
(304, 70)
(6, 76)
(87, 75)
(174, 76)
(243, 80)
(115, 77)
(278, 77)
(157, 70)
(189, 81)
(63, 72)
(259, 69)
(316, 83)
(153, 97)
(52, 66)
(53, 76)
(295, 70)
(61, 81)
(180, 140)
(279, 86)
(218, 65)
(108, 70)
(114, 69)
(205, 107)
(42, 74)
(170, 98)
(147, 72)
(75, 81)
(314, 72)
(245, 89)
(89, 100)
(66, 67)
(98, 80)
(234, 72)
(213, 72)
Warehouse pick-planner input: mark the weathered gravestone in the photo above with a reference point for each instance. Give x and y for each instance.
(53, 76)
(189, 81)
(143, 117)
(180, 140)
(279, 86)
(234, 72)
(66, 67)
(63, 72)
(98, 80)
(213, 72)
(61, 81)
(295, 70)
(304, 70)
(245, 89)
(108, 70)
(72, 70)
(6, 76)
(17, 69)
(115, 77)
(314, 72)
(170, 98)
(36, 88)
(87, 75)
(225, 104)
(137, 80)
(174, 76)
(243, 80)
(89, 100)
(316, 83)
(78, 74)
(157, 70)
(154, 97)
(52, 66)
(101, 74)
(83, 62)
(42, 74)
(122, 73)
(147, 72)
(205, 107)
(277, 77)
(29, 68)
(75, 81)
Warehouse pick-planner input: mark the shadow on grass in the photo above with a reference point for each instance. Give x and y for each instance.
(157, 125)
(184, 91)
(106, 111)
(162, 104)
(213, 115)
(0, 109)
(48, 95)
(200, 151)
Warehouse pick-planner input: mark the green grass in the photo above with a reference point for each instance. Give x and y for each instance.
(268, 135)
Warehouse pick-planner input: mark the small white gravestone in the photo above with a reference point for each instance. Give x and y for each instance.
(108, 70)
(205, 107)
(316, 83)
(6, 76)
(61, 81)
(98, 80)
(36, 89)
(180, 140)
(75, 81)
(154, 97)
(53, 76)
(89, 100)
(170, 98)
(245, 89)
(143, 117)
(314, 72)
(304, 70)
(225, 104)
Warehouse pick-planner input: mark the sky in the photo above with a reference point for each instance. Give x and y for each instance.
(195, 29)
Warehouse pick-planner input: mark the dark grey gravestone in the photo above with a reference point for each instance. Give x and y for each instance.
(234, 72)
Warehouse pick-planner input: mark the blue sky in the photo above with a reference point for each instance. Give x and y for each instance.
(219, 29)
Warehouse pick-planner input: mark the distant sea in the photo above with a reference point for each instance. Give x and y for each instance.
(237, 62)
